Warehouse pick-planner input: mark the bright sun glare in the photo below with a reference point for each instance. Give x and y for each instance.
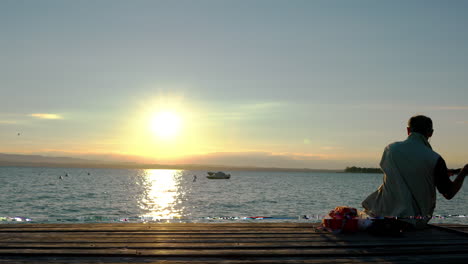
(166, 124)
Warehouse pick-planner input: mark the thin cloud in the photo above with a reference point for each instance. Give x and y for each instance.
(8, 122)
(462, 122)
(329, 148)
(247, 111)
(299, 156)
(263, 106)
(46, 116)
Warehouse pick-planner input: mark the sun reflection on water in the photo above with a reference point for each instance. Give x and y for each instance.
(161, 193)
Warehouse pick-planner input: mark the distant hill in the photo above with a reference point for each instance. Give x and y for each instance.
(40, 159)
(16, 160)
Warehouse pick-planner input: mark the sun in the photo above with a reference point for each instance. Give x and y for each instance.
(166, 124)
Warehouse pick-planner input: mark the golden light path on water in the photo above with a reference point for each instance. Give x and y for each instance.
(161, 192)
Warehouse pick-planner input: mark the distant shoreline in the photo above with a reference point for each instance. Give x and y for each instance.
(157, 166)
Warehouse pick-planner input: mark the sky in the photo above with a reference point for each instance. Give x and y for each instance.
(299, 84)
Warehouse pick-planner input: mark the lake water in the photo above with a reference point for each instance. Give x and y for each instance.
(110, 195)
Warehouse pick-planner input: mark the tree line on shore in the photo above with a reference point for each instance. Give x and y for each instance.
(355, 169)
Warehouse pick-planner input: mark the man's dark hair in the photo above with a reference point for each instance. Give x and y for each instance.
(420, 124)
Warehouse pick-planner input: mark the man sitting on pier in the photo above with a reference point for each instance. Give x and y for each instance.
(412, 172)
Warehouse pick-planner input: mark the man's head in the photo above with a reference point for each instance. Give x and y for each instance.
(420, 124)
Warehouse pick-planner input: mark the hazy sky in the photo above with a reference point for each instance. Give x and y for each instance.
(316, 84)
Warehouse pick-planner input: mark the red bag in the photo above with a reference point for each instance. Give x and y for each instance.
(342, 219)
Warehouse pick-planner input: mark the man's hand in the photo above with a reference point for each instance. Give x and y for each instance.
(451, 172)
(457, 183)
(464, 171)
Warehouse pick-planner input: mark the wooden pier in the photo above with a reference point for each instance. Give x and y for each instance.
(224, 243)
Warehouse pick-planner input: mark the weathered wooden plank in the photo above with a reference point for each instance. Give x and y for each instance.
(191, 238)
(363, 259)
(150, 235)
(450, 224)
(165, 229)
(199, 240)
(227, 245)
(155, 227)
(144, 226)
(173, 225)
(350, 237)
(162, 231)
(332, 242)
(103, 236)
(453, 229)
(221, 239)
(167, 238)
(424, 234)
(241, 253)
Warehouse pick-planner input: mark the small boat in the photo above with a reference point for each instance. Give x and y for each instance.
(218, 175)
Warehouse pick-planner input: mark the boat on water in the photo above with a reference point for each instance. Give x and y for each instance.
(218, 175)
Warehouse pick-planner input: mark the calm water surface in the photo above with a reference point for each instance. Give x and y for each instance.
(109, 195)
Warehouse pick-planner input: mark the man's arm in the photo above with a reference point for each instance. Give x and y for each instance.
(458, 182)
(444, 185)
